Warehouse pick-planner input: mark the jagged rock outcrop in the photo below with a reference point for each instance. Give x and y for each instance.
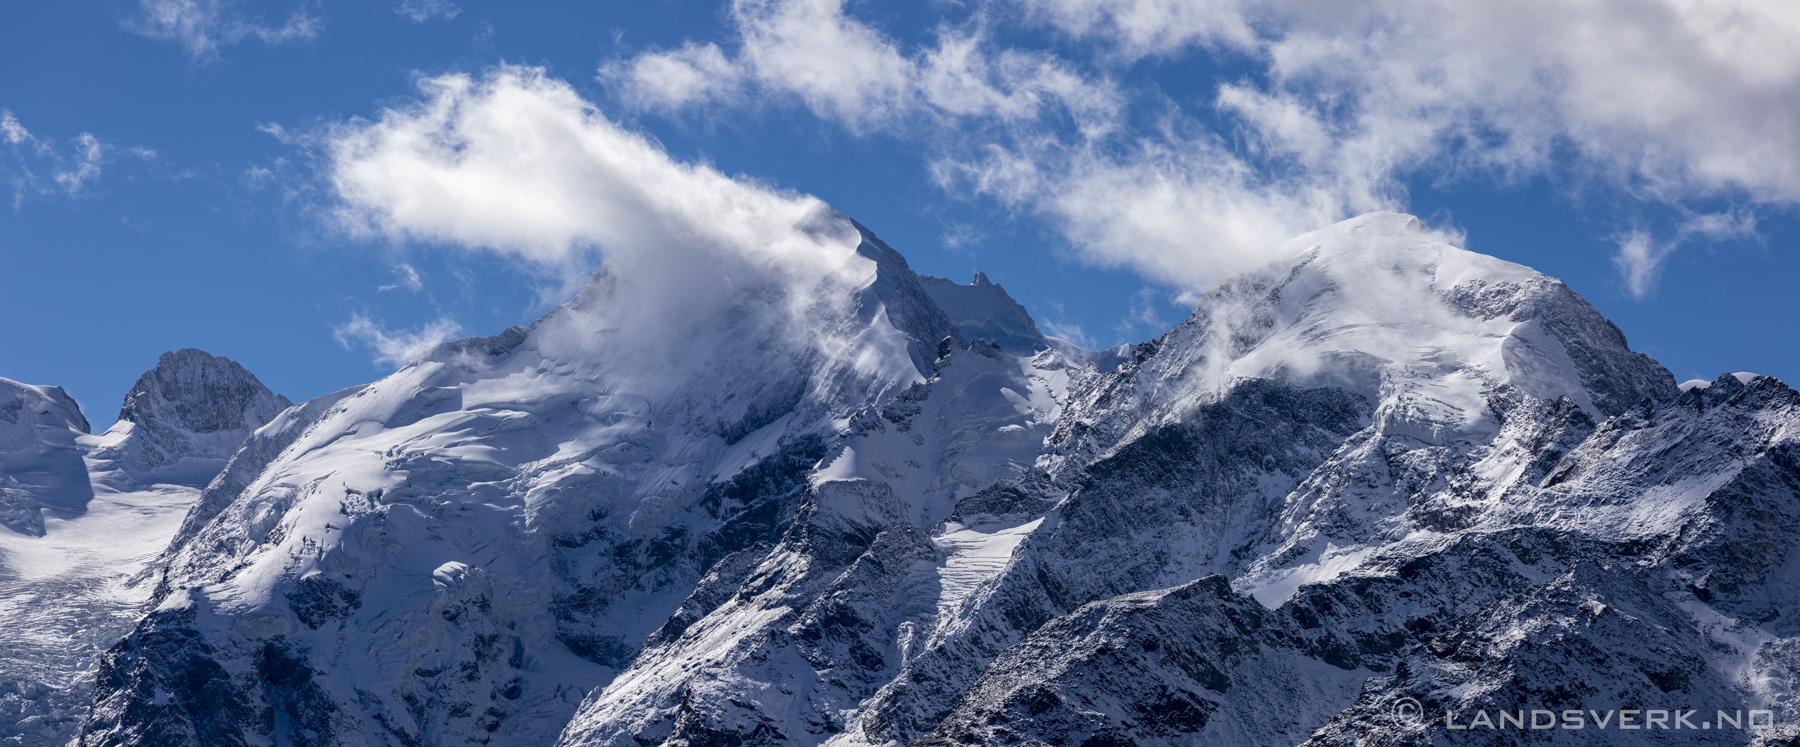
(982, 309)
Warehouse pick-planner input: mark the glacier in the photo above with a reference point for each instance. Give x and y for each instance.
(822, 499)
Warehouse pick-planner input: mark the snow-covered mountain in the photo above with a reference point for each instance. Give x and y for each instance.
(40, 464)
(982, 309)
(86, 516)
(187, 416)
(846, 504)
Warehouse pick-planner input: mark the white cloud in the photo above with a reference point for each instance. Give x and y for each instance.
(517, 164)
(393, 347)
(1669, 102)
(85, 169)
(203, 26)
(669, 81)
(788, 43)
(13, 132)
(1640, 261)
(1143, 28)
(421, 11)
(1184, 212)
(1673, 98)
(404, 277)
(846, 71)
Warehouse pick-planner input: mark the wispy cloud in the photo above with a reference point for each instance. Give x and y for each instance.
(405, 277)
(393, 347)
(960, 236)
(1142, 316)
(71, 171)
(1640, 255)
(421, 11)
(1069, 332)
(202, 27)
(84, 168)
(13, 132)
(1640, 261)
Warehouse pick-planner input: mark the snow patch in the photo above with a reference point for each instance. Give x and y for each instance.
(1274, 587)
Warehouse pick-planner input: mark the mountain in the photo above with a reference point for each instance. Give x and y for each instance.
(184, 418)
(820, 499)
(86, 516)
(40, 464)
(982, 309)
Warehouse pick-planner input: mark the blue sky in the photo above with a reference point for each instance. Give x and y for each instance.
(269, 181)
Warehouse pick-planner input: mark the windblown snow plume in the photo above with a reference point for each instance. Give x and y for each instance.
(517, 164)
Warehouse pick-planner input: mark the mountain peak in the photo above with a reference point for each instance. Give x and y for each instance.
(23, 405)
(1424, 331)
(40, 465)
(199, 392)
(191, 405)
(983, 309)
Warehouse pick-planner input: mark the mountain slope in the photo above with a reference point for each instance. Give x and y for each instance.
(833, 502)
(528, 507)
(1618, 580)
(1240, 443)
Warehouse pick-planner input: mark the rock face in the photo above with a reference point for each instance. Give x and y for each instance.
(1384, 478)
(86, 518)
(189, 414)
